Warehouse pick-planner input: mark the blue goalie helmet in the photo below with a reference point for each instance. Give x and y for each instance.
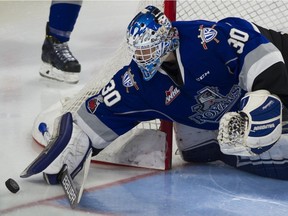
(150, 36)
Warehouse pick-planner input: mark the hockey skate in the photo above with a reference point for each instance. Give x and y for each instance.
(58, 61)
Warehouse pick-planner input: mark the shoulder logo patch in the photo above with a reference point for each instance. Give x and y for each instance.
(128, 80)
(207, 34)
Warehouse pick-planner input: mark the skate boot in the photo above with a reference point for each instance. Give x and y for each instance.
(58, 61)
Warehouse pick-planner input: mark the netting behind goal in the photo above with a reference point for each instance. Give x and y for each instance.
(269, 14)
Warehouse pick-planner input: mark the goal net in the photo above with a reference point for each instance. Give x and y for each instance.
(150, 143)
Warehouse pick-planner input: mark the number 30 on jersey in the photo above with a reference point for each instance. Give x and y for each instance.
(237, 39)
(110, 95)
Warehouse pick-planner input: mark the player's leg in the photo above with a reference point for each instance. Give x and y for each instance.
(197, 145)
(58, 61)
(272, 163)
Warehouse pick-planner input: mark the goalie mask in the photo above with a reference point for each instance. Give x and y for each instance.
(150, 36)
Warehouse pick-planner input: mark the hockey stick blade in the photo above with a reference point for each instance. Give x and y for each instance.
(86, 167)
(68, 186)
(74, 194)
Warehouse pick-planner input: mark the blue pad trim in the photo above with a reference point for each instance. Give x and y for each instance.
(53, 149)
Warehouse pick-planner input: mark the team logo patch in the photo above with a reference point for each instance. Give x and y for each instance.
(171, 94)
(128, 80)
(211, 105)
(94, 102)
(207, 35)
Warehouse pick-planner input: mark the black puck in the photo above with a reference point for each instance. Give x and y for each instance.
(12, 185)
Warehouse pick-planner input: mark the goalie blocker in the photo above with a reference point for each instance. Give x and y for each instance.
(255, 128)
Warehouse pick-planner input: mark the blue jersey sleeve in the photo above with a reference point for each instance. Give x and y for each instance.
(119, 104)
(125, 101)
(231, 50)
(254, 53)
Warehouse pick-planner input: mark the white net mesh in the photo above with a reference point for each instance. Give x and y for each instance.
(269, 14)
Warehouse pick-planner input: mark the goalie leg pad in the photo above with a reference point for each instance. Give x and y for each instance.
(53, 149)
(273, 163)
(71, 148)
(196, 145)
(74, 156)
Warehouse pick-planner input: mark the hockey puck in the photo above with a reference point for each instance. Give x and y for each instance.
(12, 185)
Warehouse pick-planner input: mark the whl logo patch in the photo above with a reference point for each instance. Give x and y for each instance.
(171, 94)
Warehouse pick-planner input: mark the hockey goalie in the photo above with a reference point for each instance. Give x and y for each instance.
(224, 85)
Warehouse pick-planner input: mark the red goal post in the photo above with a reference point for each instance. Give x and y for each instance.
(166, 126)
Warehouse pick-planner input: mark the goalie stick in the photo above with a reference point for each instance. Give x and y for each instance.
(73, 191)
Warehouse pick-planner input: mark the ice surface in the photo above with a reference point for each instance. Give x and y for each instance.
(194, 189)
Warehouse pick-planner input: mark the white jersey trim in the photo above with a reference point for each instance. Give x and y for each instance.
(147, 110)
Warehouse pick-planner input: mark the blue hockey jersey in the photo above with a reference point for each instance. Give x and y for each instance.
(217, 63)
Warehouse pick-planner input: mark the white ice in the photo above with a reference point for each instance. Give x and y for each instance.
(110, 190)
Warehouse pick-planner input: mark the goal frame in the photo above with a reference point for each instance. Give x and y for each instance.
(167, 126)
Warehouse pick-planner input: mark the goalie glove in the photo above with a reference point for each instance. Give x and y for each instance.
(69, 146)
(255, 128)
